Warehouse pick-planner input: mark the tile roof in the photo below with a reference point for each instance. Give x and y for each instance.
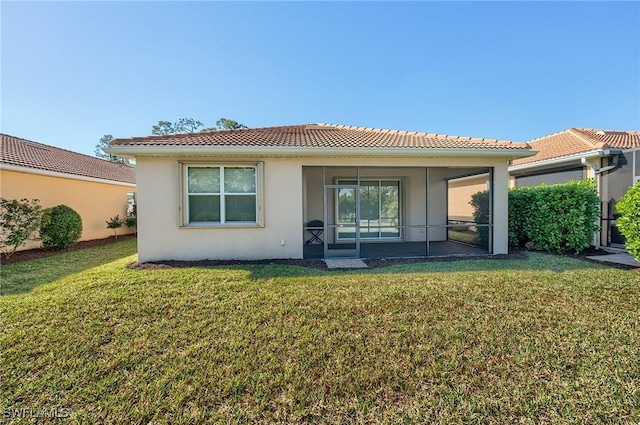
(319, 136)
(578, 140)
(25, 153)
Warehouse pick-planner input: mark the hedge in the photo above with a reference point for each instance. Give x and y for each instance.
(561, 217)
(629, 221)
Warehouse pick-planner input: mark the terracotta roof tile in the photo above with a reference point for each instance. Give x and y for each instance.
(578, 140)
(613, 138)
(25, 153)
(319, 136)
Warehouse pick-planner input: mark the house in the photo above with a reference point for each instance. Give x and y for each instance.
(94, 188)
(312, 191)
(611, 157)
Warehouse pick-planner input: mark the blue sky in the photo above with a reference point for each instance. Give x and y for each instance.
(74, 71)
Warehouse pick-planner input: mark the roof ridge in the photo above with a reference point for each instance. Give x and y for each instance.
(548, 135)
(587, 138)
(595, 130)
(226, 130)
(417, 133)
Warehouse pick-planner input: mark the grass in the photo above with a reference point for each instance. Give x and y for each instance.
(464, 236)
(22, 277)
(544, 340)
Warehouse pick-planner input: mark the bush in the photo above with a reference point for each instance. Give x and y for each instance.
(132, 222)
(19, 221)
(629, 221)
(554, 218)
(519, 202)
(480, 202)
(61, 228)
(115, 223)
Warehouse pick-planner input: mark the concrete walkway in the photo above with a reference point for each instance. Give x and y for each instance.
(346, 263)
(625, 259)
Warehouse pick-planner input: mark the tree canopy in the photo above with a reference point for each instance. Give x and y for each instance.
(183, 125)
(226, 124)
(102, 145)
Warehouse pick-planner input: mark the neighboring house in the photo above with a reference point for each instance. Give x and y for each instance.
(311, 191)
(459, 194)
(611, 157)
(96, 189)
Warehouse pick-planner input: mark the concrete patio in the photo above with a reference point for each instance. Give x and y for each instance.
(619, 258)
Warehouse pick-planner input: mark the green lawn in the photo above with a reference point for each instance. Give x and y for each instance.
(543, 340)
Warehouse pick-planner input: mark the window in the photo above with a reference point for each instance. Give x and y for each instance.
(221, 194)
(131, 204)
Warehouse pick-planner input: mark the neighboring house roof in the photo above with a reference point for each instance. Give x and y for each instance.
(578, 140)
(317, 136)
(25, 153)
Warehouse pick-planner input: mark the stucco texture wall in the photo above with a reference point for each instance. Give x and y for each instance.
(459, 196)
(95, 202)
(162, 234)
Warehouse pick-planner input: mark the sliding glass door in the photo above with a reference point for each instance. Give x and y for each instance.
(344, 223)
(379, 209)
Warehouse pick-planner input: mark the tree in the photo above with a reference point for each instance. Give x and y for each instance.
(102, 145)
(225, 124)
(19, 220)
(115, 223)
(183, 125)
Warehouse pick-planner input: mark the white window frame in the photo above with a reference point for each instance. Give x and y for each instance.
(184, 195)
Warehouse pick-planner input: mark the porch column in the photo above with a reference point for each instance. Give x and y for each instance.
(500, 209)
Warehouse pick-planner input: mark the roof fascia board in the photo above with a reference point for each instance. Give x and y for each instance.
(467, 178)
(48, 173)
(559, 160)
(133, 151)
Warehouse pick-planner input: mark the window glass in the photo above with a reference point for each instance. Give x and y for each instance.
(204, 208)
(240, 208)
(379, 209)
(240, 180)
(204, 180)
(389, 209)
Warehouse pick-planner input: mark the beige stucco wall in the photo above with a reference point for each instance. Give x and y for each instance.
(286, 206)
(161, 236)
(95, 202)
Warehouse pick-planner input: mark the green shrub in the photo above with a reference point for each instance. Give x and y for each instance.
(19, 221)
(481, 202)
(558, 218)
(132, 222)
(61, 228)
(115, 223)
(629, 221)
(519, 202)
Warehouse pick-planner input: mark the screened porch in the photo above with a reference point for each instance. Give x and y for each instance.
(384, 212)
